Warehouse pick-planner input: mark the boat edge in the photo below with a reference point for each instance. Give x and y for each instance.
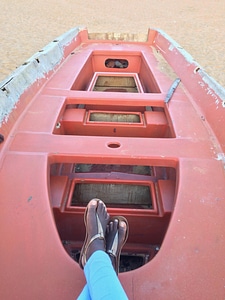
(37, 67)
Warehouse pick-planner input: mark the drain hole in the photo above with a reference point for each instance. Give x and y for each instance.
(116, 63)
(196, 70)
(113, 145)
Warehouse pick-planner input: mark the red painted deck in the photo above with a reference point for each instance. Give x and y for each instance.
(56, 130)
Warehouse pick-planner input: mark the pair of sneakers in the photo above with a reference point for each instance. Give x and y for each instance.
(103, 233)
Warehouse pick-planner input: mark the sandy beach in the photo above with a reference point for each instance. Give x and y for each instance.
(198, 26)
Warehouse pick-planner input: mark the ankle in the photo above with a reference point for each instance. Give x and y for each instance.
(97, 244)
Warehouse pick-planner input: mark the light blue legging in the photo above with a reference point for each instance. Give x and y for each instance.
(102, 281)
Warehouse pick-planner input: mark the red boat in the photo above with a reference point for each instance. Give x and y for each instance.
(132, 120)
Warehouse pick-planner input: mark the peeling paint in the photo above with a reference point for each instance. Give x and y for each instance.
(174, 44)
(211, 86)
(34, 69)
(221, 156)
(171, 47)
(216, 92)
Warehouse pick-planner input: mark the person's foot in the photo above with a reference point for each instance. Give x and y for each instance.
(96, 219)
(116, 236)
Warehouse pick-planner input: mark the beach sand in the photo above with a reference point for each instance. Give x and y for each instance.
(198, 26)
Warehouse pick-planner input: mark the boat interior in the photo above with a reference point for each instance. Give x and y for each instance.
(99, 127)
(144, 193)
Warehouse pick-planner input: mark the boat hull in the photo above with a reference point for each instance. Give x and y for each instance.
(87, 117)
